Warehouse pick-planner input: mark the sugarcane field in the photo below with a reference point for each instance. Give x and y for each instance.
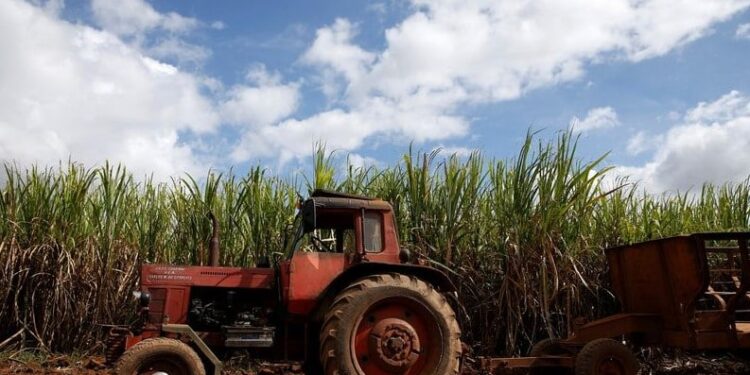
(385, 187)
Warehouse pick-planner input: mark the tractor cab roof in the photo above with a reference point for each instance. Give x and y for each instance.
(333, 199)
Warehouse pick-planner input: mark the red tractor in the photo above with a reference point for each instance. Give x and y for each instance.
(344, 298)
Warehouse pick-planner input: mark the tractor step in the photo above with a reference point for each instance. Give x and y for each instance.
(241, 336)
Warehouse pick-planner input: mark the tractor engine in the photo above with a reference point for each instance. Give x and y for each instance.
(229, 306)
(235, 312)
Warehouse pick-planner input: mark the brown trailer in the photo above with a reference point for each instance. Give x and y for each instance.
(688, 292)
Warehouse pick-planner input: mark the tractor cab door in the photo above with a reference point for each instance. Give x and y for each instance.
(318, 254)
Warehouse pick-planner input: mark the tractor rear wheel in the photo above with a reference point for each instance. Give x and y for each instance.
(606, 357)
(390, 324)
(160, 356)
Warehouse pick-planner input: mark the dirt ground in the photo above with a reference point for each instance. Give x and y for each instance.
(652, 364)
(96, 366)
(680, 363)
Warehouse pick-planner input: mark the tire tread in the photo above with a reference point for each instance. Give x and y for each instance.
(332, 318)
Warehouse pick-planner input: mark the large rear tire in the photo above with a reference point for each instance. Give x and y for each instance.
(158, 356)
(390, 324)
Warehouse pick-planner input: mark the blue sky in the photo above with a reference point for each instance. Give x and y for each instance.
(168, 87)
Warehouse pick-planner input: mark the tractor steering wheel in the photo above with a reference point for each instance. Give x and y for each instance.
(318, 244)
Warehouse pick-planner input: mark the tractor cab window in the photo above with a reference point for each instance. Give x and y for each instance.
(373, 232)
(333, 233)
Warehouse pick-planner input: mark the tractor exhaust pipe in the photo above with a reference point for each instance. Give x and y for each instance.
(213, 246)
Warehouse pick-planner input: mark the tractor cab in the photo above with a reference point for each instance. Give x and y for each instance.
(334, 232)
(330, 222)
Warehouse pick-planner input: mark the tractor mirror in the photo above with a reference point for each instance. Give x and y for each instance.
(308, 215)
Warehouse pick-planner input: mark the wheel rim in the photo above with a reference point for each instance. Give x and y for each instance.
(163, 365)
(397, 336)
(611, 366)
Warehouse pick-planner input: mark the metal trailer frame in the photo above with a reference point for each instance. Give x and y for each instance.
(661, 286)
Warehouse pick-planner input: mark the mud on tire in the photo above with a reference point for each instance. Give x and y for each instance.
(160, 354)
(390, 323)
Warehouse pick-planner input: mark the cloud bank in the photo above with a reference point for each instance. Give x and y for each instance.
(711, 144)
(449, 54)
(73, 91)
(120, 91)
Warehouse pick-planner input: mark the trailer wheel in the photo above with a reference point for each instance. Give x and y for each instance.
(160, 356)
(548, 347)
(390, 324)
(606, 357)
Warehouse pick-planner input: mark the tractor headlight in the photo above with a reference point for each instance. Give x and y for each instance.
(143, 298)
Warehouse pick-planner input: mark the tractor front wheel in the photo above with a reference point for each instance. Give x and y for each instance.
(390, 324)
(160, 356)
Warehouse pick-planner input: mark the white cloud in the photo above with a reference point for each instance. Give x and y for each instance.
(728, 107)
(265, 102)
(596, 118)
(137, 17)
(175, 48)
(358, 161)
(159, 35)
(106, 99)
(711, 145)
(74, 91)
(450, 53)
(743, 31)
(455, 150)
(333, 49)
(642, 142)
(498, 50)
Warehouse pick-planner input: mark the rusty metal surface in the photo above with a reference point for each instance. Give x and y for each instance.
(153, 275)
(331, 199)
(662, 277)
(617, 325)
(686, 292)
(671, 277)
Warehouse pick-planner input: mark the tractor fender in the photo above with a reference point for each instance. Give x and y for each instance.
(437, 278)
